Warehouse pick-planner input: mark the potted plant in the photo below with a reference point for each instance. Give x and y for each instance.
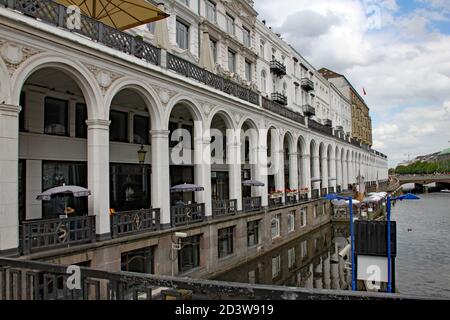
(276, 194)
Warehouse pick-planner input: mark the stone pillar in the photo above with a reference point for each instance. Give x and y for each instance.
(202, 161)
(333, 173)
(9, 179)
(98, 175)
(306, 173)
(279, 170)
(293, 170)
(234, 162)
(261, 172)
(161, 174)
(316, 171)
(325, 174)
(338, 169)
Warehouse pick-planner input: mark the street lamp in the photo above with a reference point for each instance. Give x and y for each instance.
(408, 196)
(352, 238)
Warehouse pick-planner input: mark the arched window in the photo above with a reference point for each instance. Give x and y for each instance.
(263, 81)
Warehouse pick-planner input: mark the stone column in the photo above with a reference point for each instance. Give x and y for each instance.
(202, 160)
(325, 174)
(98, 175)
(344, 174)
(293, 170)
(261, 171)
(333, 173)
(306, 173)
(9, 179)
(234, 162)
(338, 169)
(316, 171)
(161, 174)
(279, 170)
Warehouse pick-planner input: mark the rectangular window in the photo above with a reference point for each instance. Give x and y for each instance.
(189, 255)
(253, 233)
(211, 12)
(129, 187)
(291, 258)
(140, 261)
(248, 70)
(55, 174)
(276, 266)
(275, 226)
(230, 24)
(246, 37)
(231, 61)
(303, 217)
(262, 49)
(291, 221)
(80, 120)
(304, 249)
(56, 117)
(118, 130)
(22, 112)
(182, 35)
(225, 242)
(213, 44)
(141, 130)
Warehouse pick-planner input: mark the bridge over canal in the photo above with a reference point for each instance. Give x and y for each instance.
(423, 179)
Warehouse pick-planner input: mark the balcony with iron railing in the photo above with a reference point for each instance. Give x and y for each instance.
(309, 110)
(277, 68)
(275, 203)
(328, 123)
(280, 98)
(320, 128)
(183, 215)
(282, 111)
(224, 208)
(307, 84)
(251, 204)
(315, 194)
(134, 222)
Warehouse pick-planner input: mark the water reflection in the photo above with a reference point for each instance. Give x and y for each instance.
(311, 261)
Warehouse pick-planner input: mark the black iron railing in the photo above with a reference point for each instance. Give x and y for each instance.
(40, 235)
(291, 199)
(307, 84)
(280, 98)
(303, 197)
(55, 14)
(323, 192)
(282, 111)
(355, 142)
(187, 214)
(308, 110)
(330, 190)
(190, 70)
(136, 221)
(315, 194)
(338, 189)
(277, 68)
(320, 128)
(223, 208)
(33, 280)
(251, 204)
(328, 123)
(275, 202)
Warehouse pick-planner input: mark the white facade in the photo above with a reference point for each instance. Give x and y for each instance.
(45, 61)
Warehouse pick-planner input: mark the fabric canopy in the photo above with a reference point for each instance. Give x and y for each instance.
(252, 183)
(75, 191)
(118, 14)
(186, 188)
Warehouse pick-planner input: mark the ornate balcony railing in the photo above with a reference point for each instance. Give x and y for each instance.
(279, 98)
(37, 235)
(57, 15)
(291, 199)
(320, 128)
(277, 68)
(275, 202)
(315, 194)
(187, 214)
(251, 204)
(307, 84)
(303, 197)
(223, 208)
(133, 222)
(282, 111)
(328, 123)
(308, 110)
(355, 142)
(193, 71)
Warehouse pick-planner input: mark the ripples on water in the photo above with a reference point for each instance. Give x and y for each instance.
(422, 264)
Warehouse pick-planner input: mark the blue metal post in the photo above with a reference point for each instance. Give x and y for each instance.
(389, 285)
(352, 241)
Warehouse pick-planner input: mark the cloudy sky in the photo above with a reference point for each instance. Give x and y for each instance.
(398, 50)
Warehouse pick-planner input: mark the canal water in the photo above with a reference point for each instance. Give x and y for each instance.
(312, 261)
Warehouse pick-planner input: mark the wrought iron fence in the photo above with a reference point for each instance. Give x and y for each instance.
(277, 67)
(193, 71)
(187, 214)
(275, 202)
(303, 197)
(291, 199)
(223, 208)
(251, 204)
(56, 14)
(39, 235)
(136, 221)
(279, 98)
(282, 111)
(307, 84)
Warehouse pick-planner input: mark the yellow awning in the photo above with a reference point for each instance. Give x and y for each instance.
(118, 14)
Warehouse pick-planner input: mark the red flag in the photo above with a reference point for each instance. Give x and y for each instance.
(364, 90)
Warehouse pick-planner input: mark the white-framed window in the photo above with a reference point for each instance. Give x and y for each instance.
(275, 226)
(291, 221)
(213, 44)
(231, 61)
(296, 94)
(291, 258)
(248, 70)
(230, 24)
(303, 217)
(246, 37)
(276, 266)
(182, 35)
(211, 11)
(262, 49)
(304, 249)
(263, 81)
